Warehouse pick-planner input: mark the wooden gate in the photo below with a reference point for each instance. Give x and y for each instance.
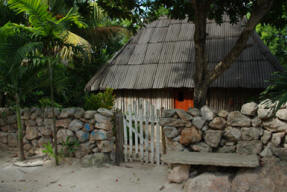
(142, 134)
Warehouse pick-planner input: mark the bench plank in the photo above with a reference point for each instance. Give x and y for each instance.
(214, 159)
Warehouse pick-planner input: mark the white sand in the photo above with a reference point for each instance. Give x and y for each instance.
(132, 177)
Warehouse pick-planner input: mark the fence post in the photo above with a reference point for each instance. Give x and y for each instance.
(119, 127)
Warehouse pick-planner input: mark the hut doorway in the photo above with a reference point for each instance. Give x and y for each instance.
(184, 100)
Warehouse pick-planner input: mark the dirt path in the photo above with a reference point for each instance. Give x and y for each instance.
(73, 178)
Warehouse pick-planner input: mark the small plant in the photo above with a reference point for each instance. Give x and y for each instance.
(70, 146)
(101, 100)
(48, 150)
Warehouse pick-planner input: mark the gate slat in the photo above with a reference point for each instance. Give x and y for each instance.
(157, 137)
(141, 129)
(147, 117)
(125, 140)
(152, 134)
(136, 119)
(130, 132)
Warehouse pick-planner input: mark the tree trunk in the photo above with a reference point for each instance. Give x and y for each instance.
(199, 96)
(51, 78)
(20, 128)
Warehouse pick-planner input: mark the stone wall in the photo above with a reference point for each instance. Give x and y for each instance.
(256, 129)
(93, 129)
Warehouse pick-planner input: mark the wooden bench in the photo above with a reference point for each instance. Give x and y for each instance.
(212, 159)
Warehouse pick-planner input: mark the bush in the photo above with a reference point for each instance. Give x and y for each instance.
(101, 100)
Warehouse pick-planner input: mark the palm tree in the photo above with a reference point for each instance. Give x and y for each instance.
(16, 76)
(53, 33)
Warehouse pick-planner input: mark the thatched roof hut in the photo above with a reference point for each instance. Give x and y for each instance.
(158, 62)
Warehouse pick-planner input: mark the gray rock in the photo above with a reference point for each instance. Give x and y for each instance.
(35, 112)
(39, 121)
(236, 119)
(12, 140)
(79, 113)
(89, 114)
(277, 138)
(198, 122)
(249, 109)
(275, 125)
(106, 126)
(105, 146)
(105, 112)
(282, 114)
(173, 146)
(183, 115)
(63, 134)
(32, 133)
(67, 113)
(249, 147)
(227, 149)
(88, 127)
(178, 174)
(45, 131)
(82, 136)
(63, 123)
(267, 152)
(76, 125)
(11, 119)
(25, 114)
(217, 123)
(207, 113)
(201, 147)
(172, 122)
(27, 147)
(102, 119)
(3, 137)
(169, 113)
(250, 133)
(98, 135)
(265, 113)
(170, 132)
(266, 137)
(232, 134)
(223, 114)
(194, 112)
(281, 153)
(30, 123)
(44, 141)
(208, 182)
(48, 123)
(256, 122)
(212, 138)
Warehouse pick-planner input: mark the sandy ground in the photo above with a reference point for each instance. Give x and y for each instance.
(132, 177)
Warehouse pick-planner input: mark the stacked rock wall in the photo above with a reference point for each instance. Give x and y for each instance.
(256, 129)
(92, 129)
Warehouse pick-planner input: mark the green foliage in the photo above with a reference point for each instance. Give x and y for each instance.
(101, 100)
(46, 102)
(277, 90)
(48, 150)
(70, 146)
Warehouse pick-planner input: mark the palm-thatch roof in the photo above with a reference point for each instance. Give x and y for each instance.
(161, 55)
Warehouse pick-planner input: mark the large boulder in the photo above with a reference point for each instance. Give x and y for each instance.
(106, 126)
(105, 146)
(198, 122)
(89, 114)
(223, 114)
(98, 135)
(102, 119)
(275, 125)
(250, 133)
(201, 147)
(256, 122)
(67, 113)
(76, 125)
(232, 134)
(169, 113)
(207, 113)
(172, 122)
(266, 136)
(105, 112)
(170, 132)
(183, 115)
(82, 136)
(212, 138)
(277, 138)
(79, 113)
(63, 134)
(63, 123)
(236, 119)
(178, 174)
(249, 109)
(249, 147)
(208, 182)
(190, 135)
(271, 177)
(45, 131)
(265, 113)
(282, 114)
(194, 112)
(32, 133)
(217, 123)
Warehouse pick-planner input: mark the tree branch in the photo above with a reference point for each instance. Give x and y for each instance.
(261, 9)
